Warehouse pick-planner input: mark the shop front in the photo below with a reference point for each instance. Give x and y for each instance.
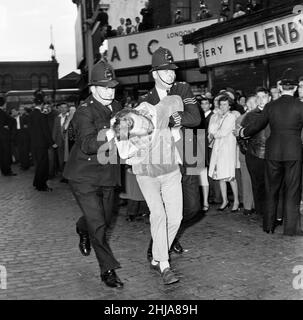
(131, 56)
(253, 53)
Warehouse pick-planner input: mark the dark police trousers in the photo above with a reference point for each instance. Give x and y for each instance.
(275, 173)
(97, 205)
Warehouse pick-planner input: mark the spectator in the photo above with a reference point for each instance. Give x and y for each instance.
(59, 135)
(204, 13)
(102, 17)
(253, 6)
(224, 153)
(178, 17)
(6, 126)
(242, 101)
(41, 141)
(110, 32)
(275, 93)
(147, 17)
(21, 137)
(129, 28)
(206, 108)
(137, 26)
(248, 201)
(225, 10)
(121, 29)
(239, 11)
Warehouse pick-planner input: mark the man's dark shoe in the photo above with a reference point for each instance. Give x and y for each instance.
(299, 233)
(111, 279)
(10, 174)
(176, 247)
(63, 180)
(45, 189)
(84, 244)
(247, 212)
(168, 276)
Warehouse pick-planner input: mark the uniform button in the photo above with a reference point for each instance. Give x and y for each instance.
(105, 127)
(89, 159)
(190, 140)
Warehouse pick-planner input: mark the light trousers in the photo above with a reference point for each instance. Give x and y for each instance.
(163, 195)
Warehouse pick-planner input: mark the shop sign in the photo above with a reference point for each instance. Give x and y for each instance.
(267, 38)
(135, 50)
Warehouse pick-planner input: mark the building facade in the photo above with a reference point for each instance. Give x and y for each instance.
(28, 75)
(252, 50)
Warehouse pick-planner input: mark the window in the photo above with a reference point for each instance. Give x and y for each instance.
(35, 81)
(185, 7)
(7, 82)
(44, 81)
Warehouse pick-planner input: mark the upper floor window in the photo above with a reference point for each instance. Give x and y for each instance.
(35, 81)
(44, 82)
(7, 82)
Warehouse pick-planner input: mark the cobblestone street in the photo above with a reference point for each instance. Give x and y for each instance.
(228, 257)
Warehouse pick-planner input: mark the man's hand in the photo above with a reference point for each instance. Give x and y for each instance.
(237, 130)
(6, 127)
(55, 146)
(175, 120)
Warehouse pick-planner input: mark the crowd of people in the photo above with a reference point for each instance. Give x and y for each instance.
(180, 154)
(39, 135)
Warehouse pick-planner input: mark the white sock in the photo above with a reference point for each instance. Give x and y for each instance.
(164, 265)
(154, 262)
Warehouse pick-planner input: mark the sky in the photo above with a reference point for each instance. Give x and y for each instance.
(25, 31)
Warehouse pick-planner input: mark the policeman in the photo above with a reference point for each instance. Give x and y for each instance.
(283, 155)
(163, 72)
(94, 183)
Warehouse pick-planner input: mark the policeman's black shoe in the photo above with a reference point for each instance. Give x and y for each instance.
(176, 247)
(111, 279)
(84, 244)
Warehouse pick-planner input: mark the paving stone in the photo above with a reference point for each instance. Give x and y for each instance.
(229, 256)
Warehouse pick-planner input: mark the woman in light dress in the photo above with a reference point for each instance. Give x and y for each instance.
(224, 158)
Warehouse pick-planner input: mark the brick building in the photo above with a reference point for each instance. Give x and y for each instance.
(28, 75)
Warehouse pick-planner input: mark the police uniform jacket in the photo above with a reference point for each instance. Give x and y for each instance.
(190, 118)
(83, 165)
(285, 118)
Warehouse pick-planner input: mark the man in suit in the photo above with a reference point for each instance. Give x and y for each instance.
(41, 140)
(6, 124)
(94, 184)
(163, 72)
(59, 134)
(21, 137)
(283, 154)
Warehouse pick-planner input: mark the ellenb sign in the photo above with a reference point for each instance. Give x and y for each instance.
(135, 50)
(272, 37)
